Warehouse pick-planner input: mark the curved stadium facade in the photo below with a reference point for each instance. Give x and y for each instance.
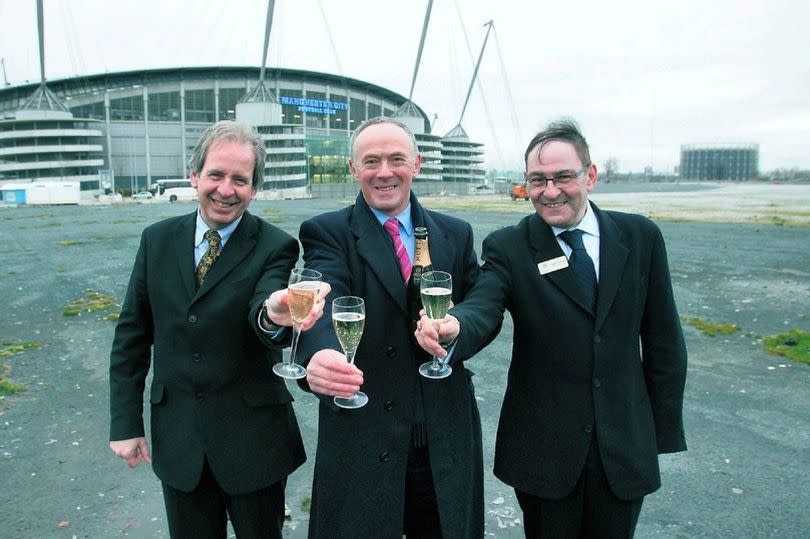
(129, 129)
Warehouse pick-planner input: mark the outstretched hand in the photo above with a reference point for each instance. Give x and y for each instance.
(431, 333)
(329, 373)
(277, 307)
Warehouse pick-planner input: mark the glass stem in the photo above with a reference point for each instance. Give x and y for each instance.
(296, 332)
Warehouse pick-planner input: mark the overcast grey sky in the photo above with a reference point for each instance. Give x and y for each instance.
(641, 77)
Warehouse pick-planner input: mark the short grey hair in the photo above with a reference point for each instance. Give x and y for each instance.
(375, 121)
(232, 131)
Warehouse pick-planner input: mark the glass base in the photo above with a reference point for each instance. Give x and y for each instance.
(358, 400)
(429, 369)
(290, 371)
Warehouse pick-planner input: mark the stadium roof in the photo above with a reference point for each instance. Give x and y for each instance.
(89, 83)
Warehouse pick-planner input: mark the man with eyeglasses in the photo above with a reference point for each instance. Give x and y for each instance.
(596, 381)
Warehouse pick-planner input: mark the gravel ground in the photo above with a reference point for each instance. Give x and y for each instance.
(747, 414)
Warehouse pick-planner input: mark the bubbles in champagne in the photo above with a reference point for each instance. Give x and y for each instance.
(436, 300)
(301, 298)
(349, 329)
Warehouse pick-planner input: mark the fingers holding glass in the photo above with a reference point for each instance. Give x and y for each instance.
(436, 288)
(303, 287)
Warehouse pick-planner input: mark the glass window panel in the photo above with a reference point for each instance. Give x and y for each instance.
(228, 97)
(338, 115)
(200, 106)
(290, 105)
(127, 108)
(358, 112)
(164, 107)
(315, 117)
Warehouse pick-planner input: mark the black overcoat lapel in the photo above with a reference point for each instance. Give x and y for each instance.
(545, 247)
(376, 248)
(612, 258)
(441, 246)
(240, 244)
(184, 253)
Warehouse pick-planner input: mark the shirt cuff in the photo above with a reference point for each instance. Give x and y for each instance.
(268, 327)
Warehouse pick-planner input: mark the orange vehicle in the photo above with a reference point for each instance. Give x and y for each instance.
(518, 191)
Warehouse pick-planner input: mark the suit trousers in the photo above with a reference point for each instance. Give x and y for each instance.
(591, 510)
(203, 513)
(421, 508)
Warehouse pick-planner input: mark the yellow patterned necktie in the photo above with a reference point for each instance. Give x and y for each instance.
(210, 255)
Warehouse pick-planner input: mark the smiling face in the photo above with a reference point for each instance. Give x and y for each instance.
(384, 163)
(224, 184)
(562, 206)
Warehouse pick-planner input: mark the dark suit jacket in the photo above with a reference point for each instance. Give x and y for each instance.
(213, 393)
(618, 373)
(359, 482)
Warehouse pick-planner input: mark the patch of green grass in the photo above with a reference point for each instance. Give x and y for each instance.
(793, 344)
(7, 387)
(9, 348)
(271, 210)
(49, 225)
(60, 270)
(113, 317)
(711, 329)
(68, 243)
(126, 221)
(91, 302)
(98, 238)
(306, 503)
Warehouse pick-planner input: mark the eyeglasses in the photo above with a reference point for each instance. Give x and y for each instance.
(560, 180)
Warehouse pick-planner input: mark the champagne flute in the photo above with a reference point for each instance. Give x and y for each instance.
(302, 288)
(349, 319)
(436, 288)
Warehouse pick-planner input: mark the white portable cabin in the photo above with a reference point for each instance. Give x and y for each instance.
(41, 193)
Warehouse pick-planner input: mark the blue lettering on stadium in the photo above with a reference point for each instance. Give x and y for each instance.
(315, 106)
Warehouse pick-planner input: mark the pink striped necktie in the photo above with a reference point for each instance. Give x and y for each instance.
(392, 227)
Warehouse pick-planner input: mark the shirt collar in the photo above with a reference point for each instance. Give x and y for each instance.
(589, 224)
(224, 233)
(404, 218)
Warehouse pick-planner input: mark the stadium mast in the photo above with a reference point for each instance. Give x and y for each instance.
(408, 112)
(458, 130)
(43, 99)
(260, 94)
(5, 79)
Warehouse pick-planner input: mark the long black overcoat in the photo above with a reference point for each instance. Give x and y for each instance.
(359, 482)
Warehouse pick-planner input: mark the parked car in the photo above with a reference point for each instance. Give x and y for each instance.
(518, 191)
(143, 195)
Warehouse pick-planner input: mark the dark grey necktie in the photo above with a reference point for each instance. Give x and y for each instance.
(582, 265)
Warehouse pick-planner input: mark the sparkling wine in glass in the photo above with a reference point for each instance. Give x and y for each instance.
(302, 288)
(349, 319)
(436, 288)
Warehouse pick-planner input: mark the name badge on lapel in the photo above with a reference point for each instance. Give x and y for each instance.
(553, 264)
